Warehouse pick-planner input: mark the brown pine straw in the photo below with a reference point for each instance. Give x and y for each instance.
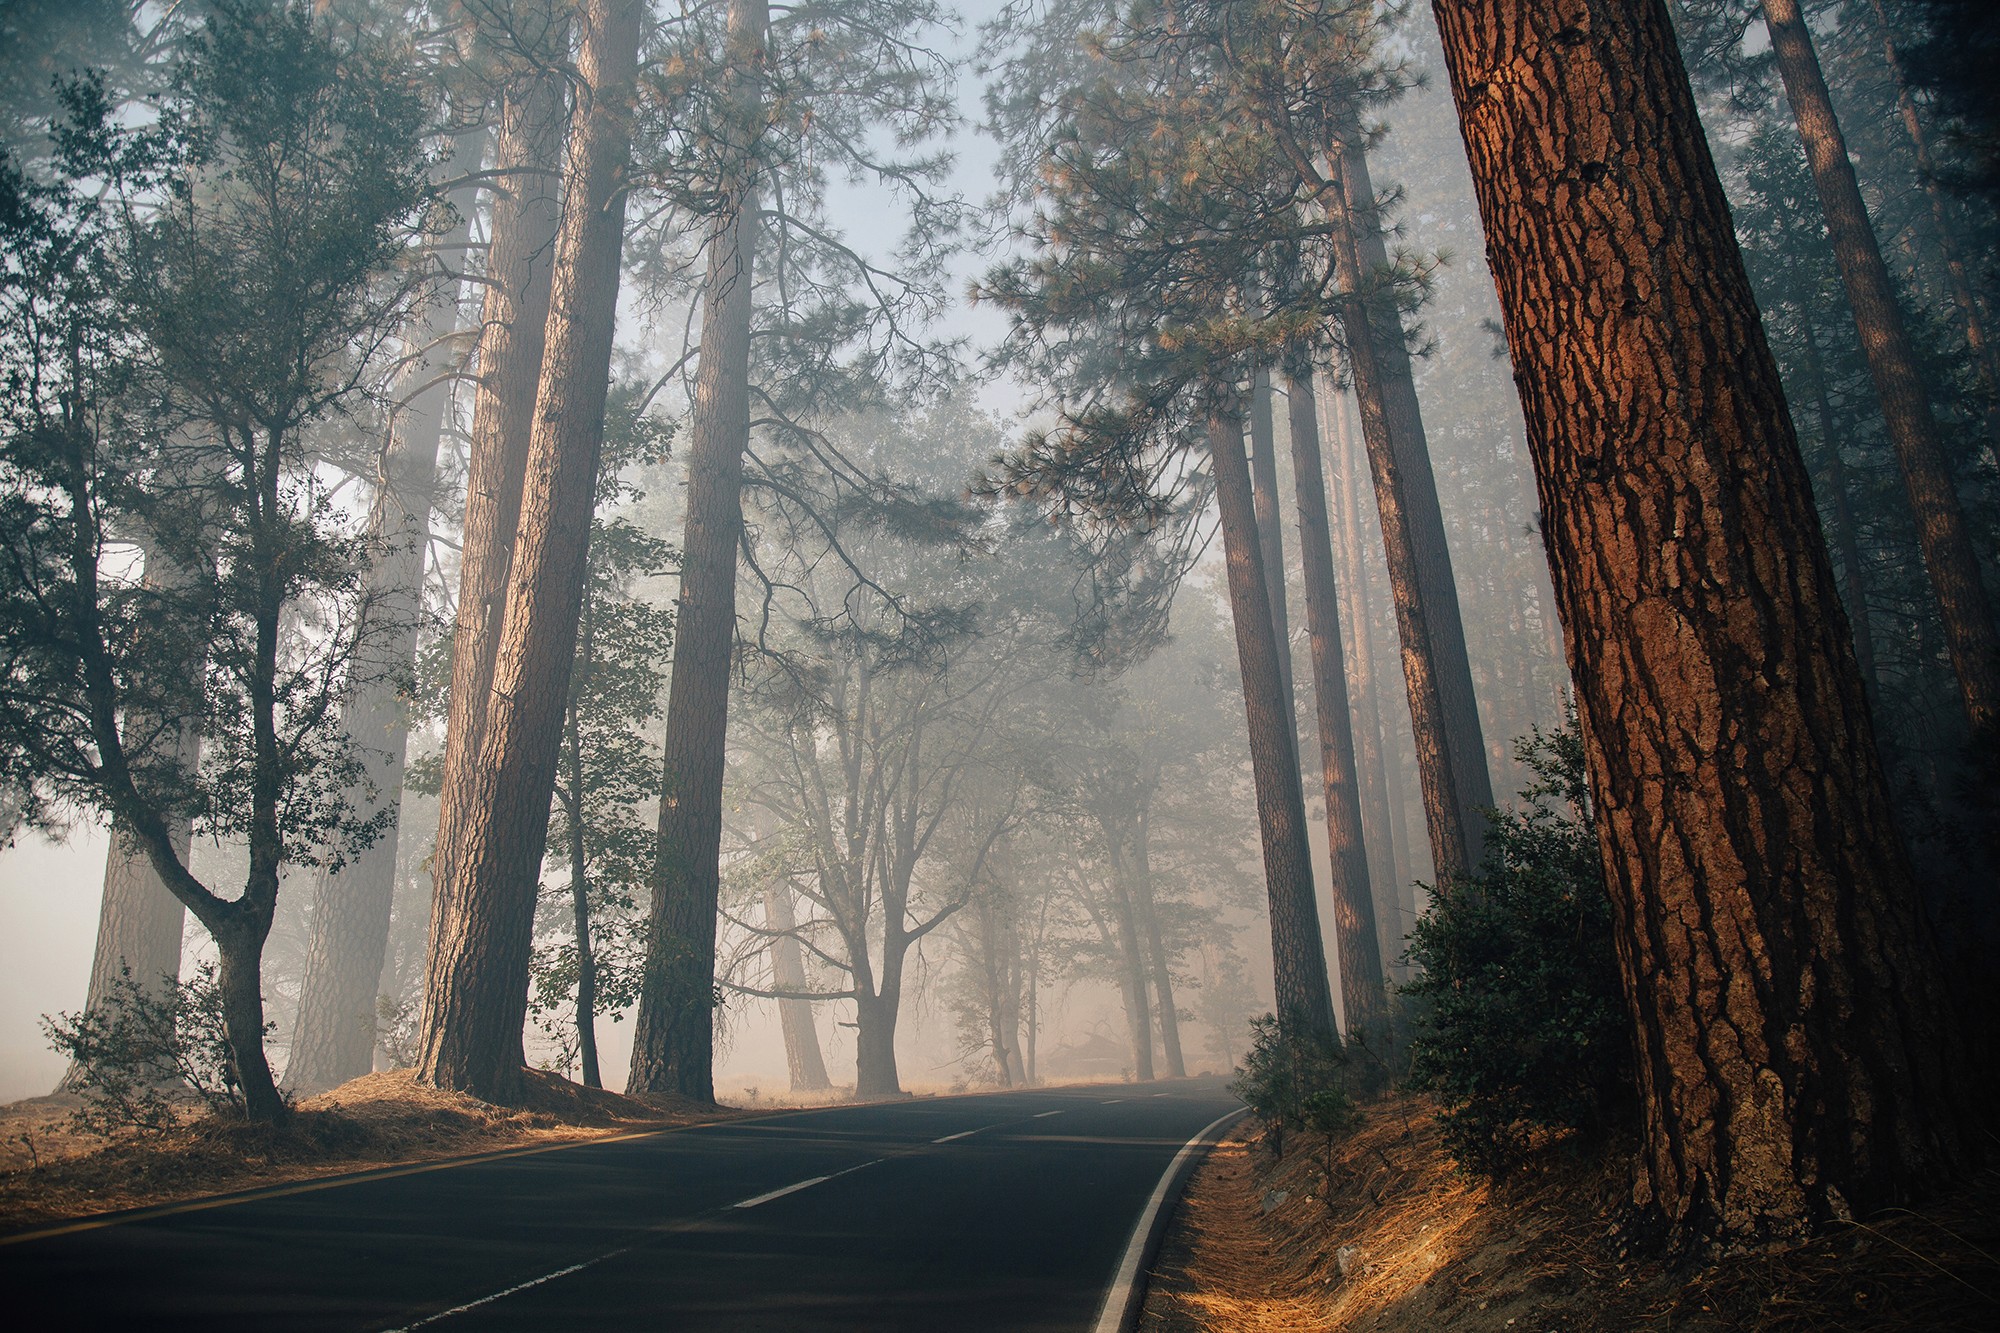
(1555, 1248)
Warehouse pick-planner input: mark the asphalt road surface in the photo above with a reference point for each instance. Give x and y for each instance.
(1009, 1211)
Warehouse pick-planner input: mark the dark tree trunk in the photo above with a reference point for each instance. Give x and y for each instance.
(1298, 958)
(490, 843)
(673, 1046)
(875, 1044)
(1793, 1042)
(1132, 972)
(803, 1060)
(1444, 715)
(579, 880)
(334, 1037)
(1363, 997)
(1949, 555)
(1846, 541)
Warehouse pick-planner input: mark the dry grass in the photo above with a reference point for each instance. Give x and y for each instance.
(1554, 1249)
(50, 1172)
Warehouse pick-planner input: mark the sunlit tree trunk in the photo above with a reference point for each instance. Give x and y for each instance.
(491, 839)
(1298, 958)
(1444, 715)
(1363, 997)
(803, 1060)
(674, 1040)
(1792, 1039)
(333, 1039)
(1970, 632)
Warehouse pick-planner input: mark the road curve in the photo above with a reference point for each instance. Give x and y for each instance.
(1006, 1211)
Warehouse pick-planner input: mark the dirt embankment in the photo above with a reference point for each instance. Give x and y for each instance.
(1394, 1238)
(49, 1172)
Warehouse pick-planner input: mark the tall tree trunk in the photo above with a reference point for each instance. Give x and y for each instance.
(673, 1044)
(1271, 525)
(1132, 970)
(334, 1037)
(1158, 964)
(1444, 714)
(1298, 958)
(490, 841)
(1377, 806)
(1985, 361)
(803, 1060)
(1417, 499)
(1793, 1041)
(579, 880)
(1970, 632)
(1364, 998)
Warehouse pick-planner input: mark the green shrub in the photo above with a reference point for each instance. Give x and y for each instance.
(1289, 1077)
(136, 1058)
(1520, 1024)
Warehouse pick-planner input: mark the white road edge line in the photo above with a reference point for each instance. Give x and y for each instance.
(502, 1295)
(1111, 1318)
(961, 1134)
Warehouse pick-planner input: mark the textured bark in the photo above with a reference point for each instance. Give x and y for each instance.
(334, 1037)
(1271, 525)
(1444, 715)
(1970, 632)
(1403, 467)
(1377, 804)
(1298, 958)
(788, 971)
(520, 261)
(1364, 1001)
(1793, 1042)
(674, 1039)
(492, 837)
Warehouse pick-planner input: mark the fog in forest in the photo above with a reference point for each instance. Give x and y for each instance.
(775, 554)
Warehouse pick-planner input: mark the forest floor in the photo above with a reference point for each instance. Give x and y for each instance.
(51, 1171)
(1395, 1238)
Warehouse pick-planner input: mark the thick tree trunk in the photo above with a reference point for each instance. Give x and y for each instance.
(1444, 715)
(334, 1037)
(239, 948)
(803, 1060)
(1970, 632)
(490, 843)
(1377, 800)
(1794, 1046)
(875, 1044)
(1405, 483)
(1364, 998)
(673, 1046)
(1298, 958)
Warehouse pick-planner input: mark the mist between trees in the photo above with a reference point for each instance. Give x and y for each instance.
(518, 518)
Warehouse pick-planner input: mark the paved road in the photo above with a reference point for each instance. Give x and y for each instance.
(1007, 1211)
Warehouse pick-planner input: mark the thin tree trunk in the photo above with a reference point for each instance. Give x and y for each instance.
(1970, 632)
(1846, 543)
(333, 1039)
(1794, 1046)
(1378, 824)
(1407, 497)
(673, 1047)
(1158, 964)
(490, 845)
(1444, 716)
(1271, 525)
(1298, 958)
(1364, 998)
(579, 874)
(803, 1060)
(1984, 360)
(1132, 971)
